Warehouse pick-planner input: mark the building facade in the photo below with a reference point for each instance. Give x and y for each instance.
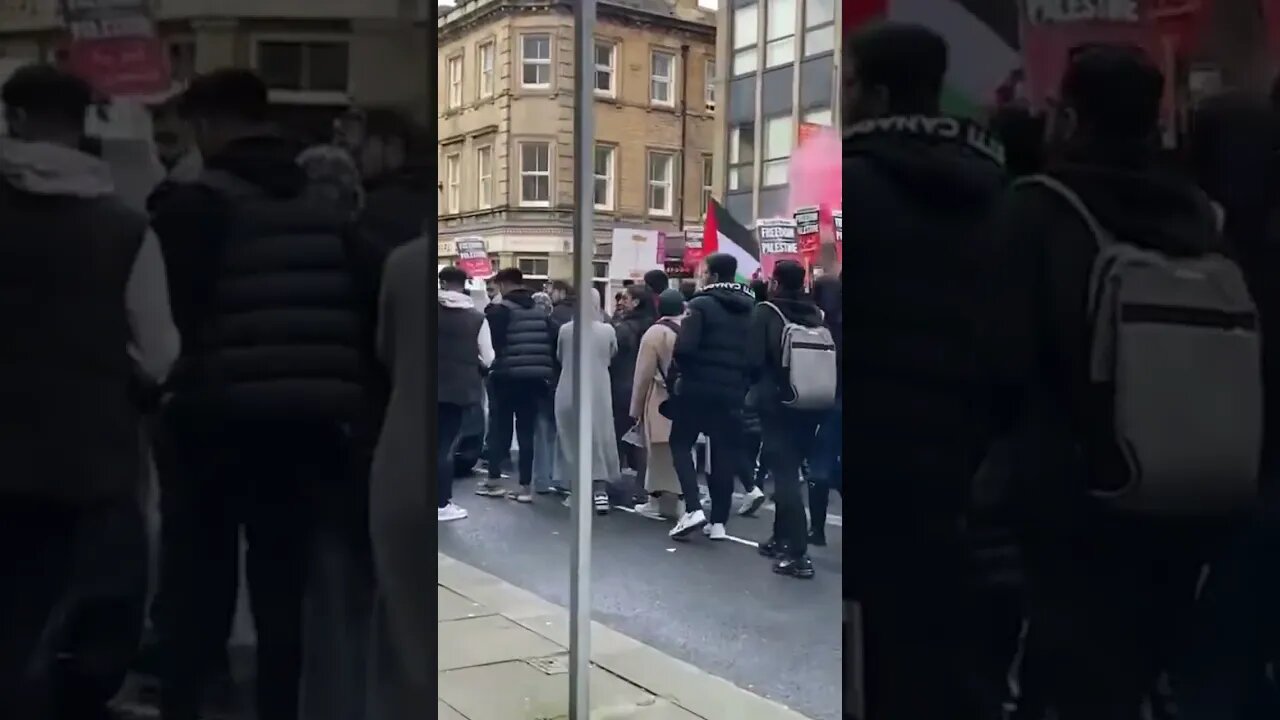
(506, 99)
(318, 56)
(781, 61)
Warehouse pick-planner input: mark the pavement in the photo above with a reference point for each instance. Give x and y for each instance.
(502, 654)
(713, 610)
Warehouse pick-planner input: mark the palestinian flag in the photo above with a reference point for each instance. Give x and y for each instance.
(982, 35)
(725, 234)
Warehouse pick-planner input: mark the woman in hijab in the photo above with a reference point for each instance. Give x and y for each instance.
(648, 392)
(599, 345)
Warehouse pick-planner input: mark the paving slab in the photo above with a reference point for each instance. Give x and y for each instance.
(519, 691)
(486, 640)
(452, 606)
(511, 664)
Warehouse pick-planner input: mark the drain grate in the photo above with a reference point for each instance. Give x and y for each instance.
(552, 665)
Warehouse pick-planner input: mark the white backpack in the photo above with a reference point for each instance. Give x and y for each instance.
(1176, 342)
(809, 363)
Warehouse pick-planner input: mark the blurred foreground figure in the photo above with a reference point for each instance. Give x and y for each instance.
(1134, 350)
(402, 661)
(920, 188)
(270, 404)
(86, 315)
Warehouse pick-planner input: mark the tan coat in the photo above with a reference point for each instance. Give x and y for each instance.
(647, 391)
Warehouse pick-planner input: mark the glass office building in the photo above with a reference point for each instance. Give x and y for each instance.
(778, 68)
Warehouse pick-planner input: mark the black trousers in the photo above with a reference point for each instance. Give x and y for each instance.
(255, 476)
(723, 427)
(1110, 610)
(751, 475)
(788, 439)
(72, 594)
(514, 402)
(917, 632)
(448, 425)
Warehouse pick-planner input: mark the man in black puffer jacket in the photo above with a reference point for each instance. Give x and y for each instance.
(271, 395)
(920, 188)
(523, 371)
(711, 385)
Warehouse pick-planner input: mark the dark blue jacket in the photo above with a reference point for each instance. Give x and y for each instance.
(711, 352)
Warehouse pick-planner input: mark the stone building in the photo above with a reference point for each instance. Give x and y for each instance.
(506, 98)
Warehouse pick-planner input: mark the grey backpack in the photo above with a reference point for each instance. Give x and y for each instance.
(809, 363)
(1176, 340)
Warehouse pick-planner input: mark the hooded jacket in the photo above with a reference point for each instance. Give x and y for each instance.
(277, 295)
(770, 384)
(1041, 337)
(85, 314)
(920, 191)
(711, 352)
(463, 347)
(630, 330)
(523, 340)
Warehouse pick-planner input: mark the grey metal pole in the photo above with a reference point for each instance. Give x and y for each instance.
(584, 26)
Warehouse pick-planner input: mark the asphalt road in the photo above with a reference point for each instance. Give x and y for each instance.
(717, 606)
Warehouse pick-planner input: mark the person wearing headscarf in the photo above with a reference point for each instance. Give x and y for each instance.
(546, 478)
(637, 311)
(600, 344)
(648, 393)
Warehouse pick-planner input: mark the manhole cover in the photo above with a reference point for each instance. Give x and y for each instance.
(554, 665)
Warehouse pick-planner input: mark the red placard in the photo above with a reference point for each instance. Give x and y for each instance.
(777, 241)
(121, 66)
(694, 249)
(809, 233)
(473, 257)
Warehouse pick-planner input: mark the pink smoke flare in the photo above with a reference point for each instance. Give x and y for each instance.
(816, 171)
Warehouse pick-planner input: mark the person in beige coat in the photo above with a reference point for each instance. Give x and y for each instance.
(648, 392)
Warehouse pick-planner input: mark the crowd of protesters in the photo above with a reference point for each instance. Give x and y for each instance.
(666, 370)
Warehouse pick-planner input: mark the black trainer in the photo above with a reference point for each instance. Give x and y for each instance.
(770, 549)
(818, 538)
(801, 567)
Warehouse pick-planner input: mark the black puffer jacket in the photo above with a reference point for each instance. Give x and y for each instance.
(282, 325)
(921, 192)
(711, 352)
(524, 340)
(622, 371)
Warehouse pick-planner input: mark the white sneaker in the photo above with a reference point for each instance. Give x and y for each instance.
(688, 524)
(651, 509)
(751, 502)
(450, 512)
(715, 531)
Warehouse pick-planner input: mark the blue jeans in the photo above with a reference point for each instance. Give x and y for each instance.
(826, 466)
(1236, 634)
(545, 475)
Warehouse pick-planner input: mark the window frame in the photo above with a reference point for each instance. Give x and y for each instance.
(453, 182)
(787, 42)
(736, 164)
(767, 160)
(534, 275)
(455, 85)
(486, 76)
(709, 69)
(610, 178)
(670, 79)
(302, 96)
(745, 50)
(826, 26)
(525, 61)
(670, 183)
(484, 201)
(611, 69)
(521, 173)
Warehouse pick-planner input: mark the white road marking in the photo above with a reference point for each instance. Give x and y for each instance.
(731, 538)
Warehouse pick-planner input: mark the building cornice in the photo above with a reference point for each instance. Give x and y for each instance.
(469, 16)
